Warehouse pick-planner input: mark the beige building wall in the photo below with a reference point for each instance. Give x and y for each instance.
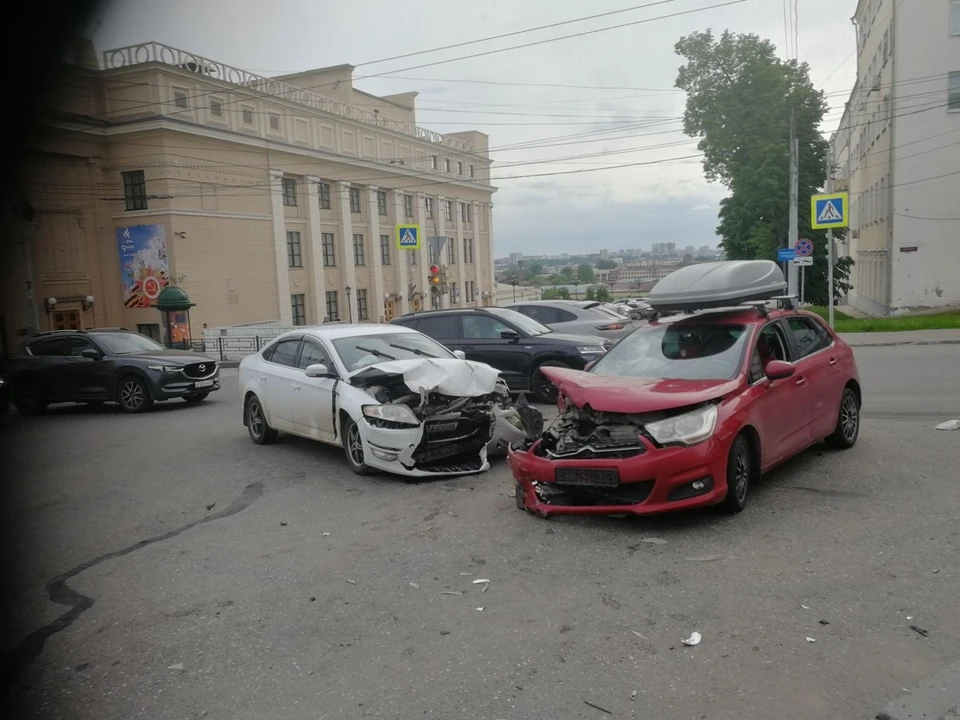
(230, 172)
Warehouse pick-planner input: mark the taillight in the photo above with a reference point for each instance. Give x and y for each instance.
(611, 326)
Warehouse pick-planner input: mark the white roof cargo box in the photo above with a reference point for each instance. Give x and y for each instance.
(717, 284)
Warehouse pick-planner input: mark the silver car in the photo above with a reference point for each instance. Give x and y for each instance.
(581, 317)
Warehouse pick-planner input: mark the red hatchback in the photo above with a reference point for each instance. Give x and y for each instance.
(689, 412)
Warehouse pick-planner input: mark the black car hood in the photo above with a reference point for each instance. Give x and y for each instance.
(567, 339)
(179, 357)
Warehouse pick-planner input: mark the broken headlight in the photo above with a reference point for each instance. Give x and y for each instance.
(687, 429)
(400, 414)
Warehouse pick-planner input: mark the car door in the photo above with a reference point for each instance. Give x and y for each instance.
(483, 342)
(781, 407)
(818, 369)
(86, 378)
(445, 329)
(312, 398)
(45, 370)
(276, 377)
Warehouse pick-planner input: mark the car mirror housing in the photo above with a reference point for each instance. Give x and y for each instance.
(319, 370)
(90, 354)
(509, 335)
(778, 370)
(460, 354)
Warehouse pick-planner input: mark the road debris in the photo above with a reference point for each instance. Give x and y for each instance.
(597, 707)
(919, 630)
(451, 592)
(325, 534)
(805, 607)
(175, 666)
(480, 581)
(811, 640)
(414, 585)
(633, 695)
(211, 506)
(283, 523)
(694, 639)
(481, 609)
(638, 635)
(824, 622)
(352, 582)
(444, 632)
(312, 599)
(949, 425)
(705, 558)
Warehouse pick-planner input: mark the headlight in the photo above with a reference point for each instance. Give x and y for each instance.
(687, 429)
(591, 350)
(391, 413)
(166, 368)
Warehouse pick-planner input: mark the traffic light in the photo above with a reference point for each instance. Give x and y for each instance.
(434, 279)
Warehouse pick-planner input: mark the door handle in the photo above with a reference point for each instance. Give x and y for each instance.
(833, 361)
(801, 381)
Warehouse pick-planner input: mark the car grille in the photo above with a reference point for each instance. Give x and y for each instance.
(625, 494)
(200, 370)
(441, 431)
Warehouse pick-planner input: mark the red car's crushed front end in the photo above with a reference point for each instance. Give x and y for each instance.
(597, 459)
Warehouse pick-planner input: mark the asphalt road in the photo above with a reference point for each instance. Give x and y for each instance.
(193, 574)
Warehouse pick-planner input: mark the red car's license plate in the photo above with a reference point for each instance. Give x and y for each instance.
(591, 477)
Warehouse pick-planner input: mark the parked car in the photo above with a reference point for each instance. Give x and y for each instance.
(690, 411)
(582, 317)
(516, 345)
(107, 365)
(392, 398)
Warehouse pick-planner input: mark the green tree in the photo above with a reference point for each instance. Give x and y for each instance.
(585, 273)
(606, 264)
(601, 294)
(740, 97)
(560, 293)
(567, 272)
(534, 269)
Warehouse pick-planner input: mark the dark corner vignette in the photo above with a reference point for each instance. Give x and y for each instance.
(39, 38)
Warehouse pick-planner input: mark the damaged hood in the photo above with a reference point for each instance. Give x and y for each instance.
(608, 393)
(447, 376)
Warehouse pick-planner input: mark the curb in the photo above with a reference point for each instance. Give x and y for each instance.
(904, 342)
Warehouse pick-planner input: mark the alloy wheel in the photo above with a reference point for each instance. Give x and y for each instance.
(132, 394)
(741, 474)
(255, 419)
(849, 418)
(354, 445)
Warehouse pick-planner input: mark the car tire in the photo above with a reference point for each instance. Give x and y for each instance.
(30, 401)
(543, 389)
(260, 432)
(133, 395)
(739, 474)
(353, 447)
(194, 398)
(847, 431)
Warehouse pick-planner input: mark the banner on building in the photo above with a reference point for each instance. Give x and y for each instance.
(143, 264)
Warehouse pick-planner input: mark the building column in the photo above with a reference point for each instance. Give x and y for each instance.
(374, 290)
(284, 309)
(456, 237)
(490, 255)
(423, 254)
(402, 261)
(316, 250)
(348, 270)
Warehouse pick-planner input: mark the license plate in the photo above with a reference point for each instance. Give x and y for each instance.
(588, 477)
(203, 383)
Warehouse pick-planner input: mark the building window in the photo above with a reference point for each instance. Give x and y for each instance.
(454, 295)
(247, 115)
(435, 161)
(446, 166)
(333, 306)
(472, 171)
(448, 209)
(323, 192)
(381, 202)
(384, 249)
(355, 200)
(433, 255)
(362, 312)
(955, 17)
(953, 98)
(294, 249)
(135, 190)
(459, 168)
(180, 99)
(428, 207)
(468, 250)
(298, 304)
(289, 187)
(329, 250)
(275, 123)
(216, 108)
(408, 206)
(451, 253)
(358, 249)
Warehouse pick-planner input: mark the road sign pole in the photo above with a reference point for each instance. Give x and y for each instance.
(830, 259)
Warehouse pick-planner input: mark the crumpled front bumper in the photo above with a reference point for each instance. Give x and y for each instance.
(401, 451)
(515, 424)
(656, 481)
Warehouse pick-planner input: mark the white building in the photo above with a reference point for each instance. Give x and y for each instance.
(897, 151)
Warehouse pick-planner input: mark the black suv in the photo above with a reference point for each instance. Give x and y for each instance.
(96, 366)
(514, 344)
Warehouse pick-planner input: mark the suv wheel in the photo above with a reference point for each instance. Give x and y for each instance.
(543, 389)
(133, 394)
(29, 401)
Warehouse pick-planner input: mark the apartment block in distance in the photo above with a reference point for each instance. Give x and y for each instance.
(267, 200)
(897, 152)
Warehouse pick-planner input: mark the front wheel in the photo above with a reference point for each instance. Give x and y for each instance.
(260, 432)
(353, 448)
(134, 395)
(30, 401)
(543, 388)
(739, 473)
(847, 431)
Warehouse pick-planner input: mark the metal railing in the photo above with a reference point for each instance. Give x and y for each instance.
(159, 53)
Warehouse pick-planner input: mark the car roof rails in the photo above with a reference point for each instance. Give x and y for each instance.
(785, 302)
(763, 310)
(108, 329)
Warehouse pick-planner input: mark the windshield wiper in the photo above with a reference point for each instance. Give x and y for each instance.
(415, 351)
(378, 353)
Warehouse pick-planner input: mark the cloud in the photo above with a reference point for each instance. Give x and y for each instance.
(701, 207)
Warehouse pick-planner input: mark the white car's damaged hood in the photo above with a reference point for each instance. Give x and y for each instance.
(447, 376)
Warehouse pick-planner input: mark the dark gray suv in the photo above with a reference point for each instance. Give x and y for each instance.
(97, 366)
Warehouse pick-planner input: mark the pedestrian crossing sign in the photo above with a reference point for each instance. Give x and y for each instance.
(829, 211)
(408, 237)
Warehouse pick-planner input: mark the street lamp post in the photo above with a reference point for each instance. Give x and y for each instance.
(349, 304)
(576, 289)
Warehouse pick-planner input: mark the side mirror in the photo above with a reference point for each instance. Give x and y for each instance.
(319, 371)
(460, 354)
(509, 335)
(778, 370)
(90, 354)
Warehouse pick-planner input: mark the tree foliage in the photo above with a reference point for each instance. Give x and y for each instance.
(606, 264)
(740, 97)
(585, 273)
(598, 293)
(560, 293)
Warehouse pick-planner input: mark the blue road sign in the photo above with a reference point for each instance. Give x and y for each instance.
(804, 247)
(829, 211)
(408, 237)
(786, 254)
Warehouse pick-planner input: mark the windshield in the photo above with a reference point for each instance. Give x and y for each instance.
(525, 324)
(359, 351)
(128, 343)
(680, 351)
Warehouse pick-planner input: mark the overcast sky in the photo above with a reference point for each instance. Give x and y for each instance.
(602, 208)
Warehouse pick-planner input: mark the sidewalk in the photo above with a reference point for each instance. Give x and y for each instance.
(909, 337)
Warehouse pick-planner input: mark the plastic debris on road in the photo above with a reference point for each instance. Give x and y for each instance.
(811, 640)
(638, 634)
(919, 630)
(414, 585)
(805, 607)
(175, 666)
(352, 582)
(480, 581)
(451, 592)
(694, 639)
(480, 609)
(633, 695)
(949, 425)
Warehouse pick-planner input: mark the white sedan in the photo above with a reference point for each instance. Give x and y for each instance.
(393, 398)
